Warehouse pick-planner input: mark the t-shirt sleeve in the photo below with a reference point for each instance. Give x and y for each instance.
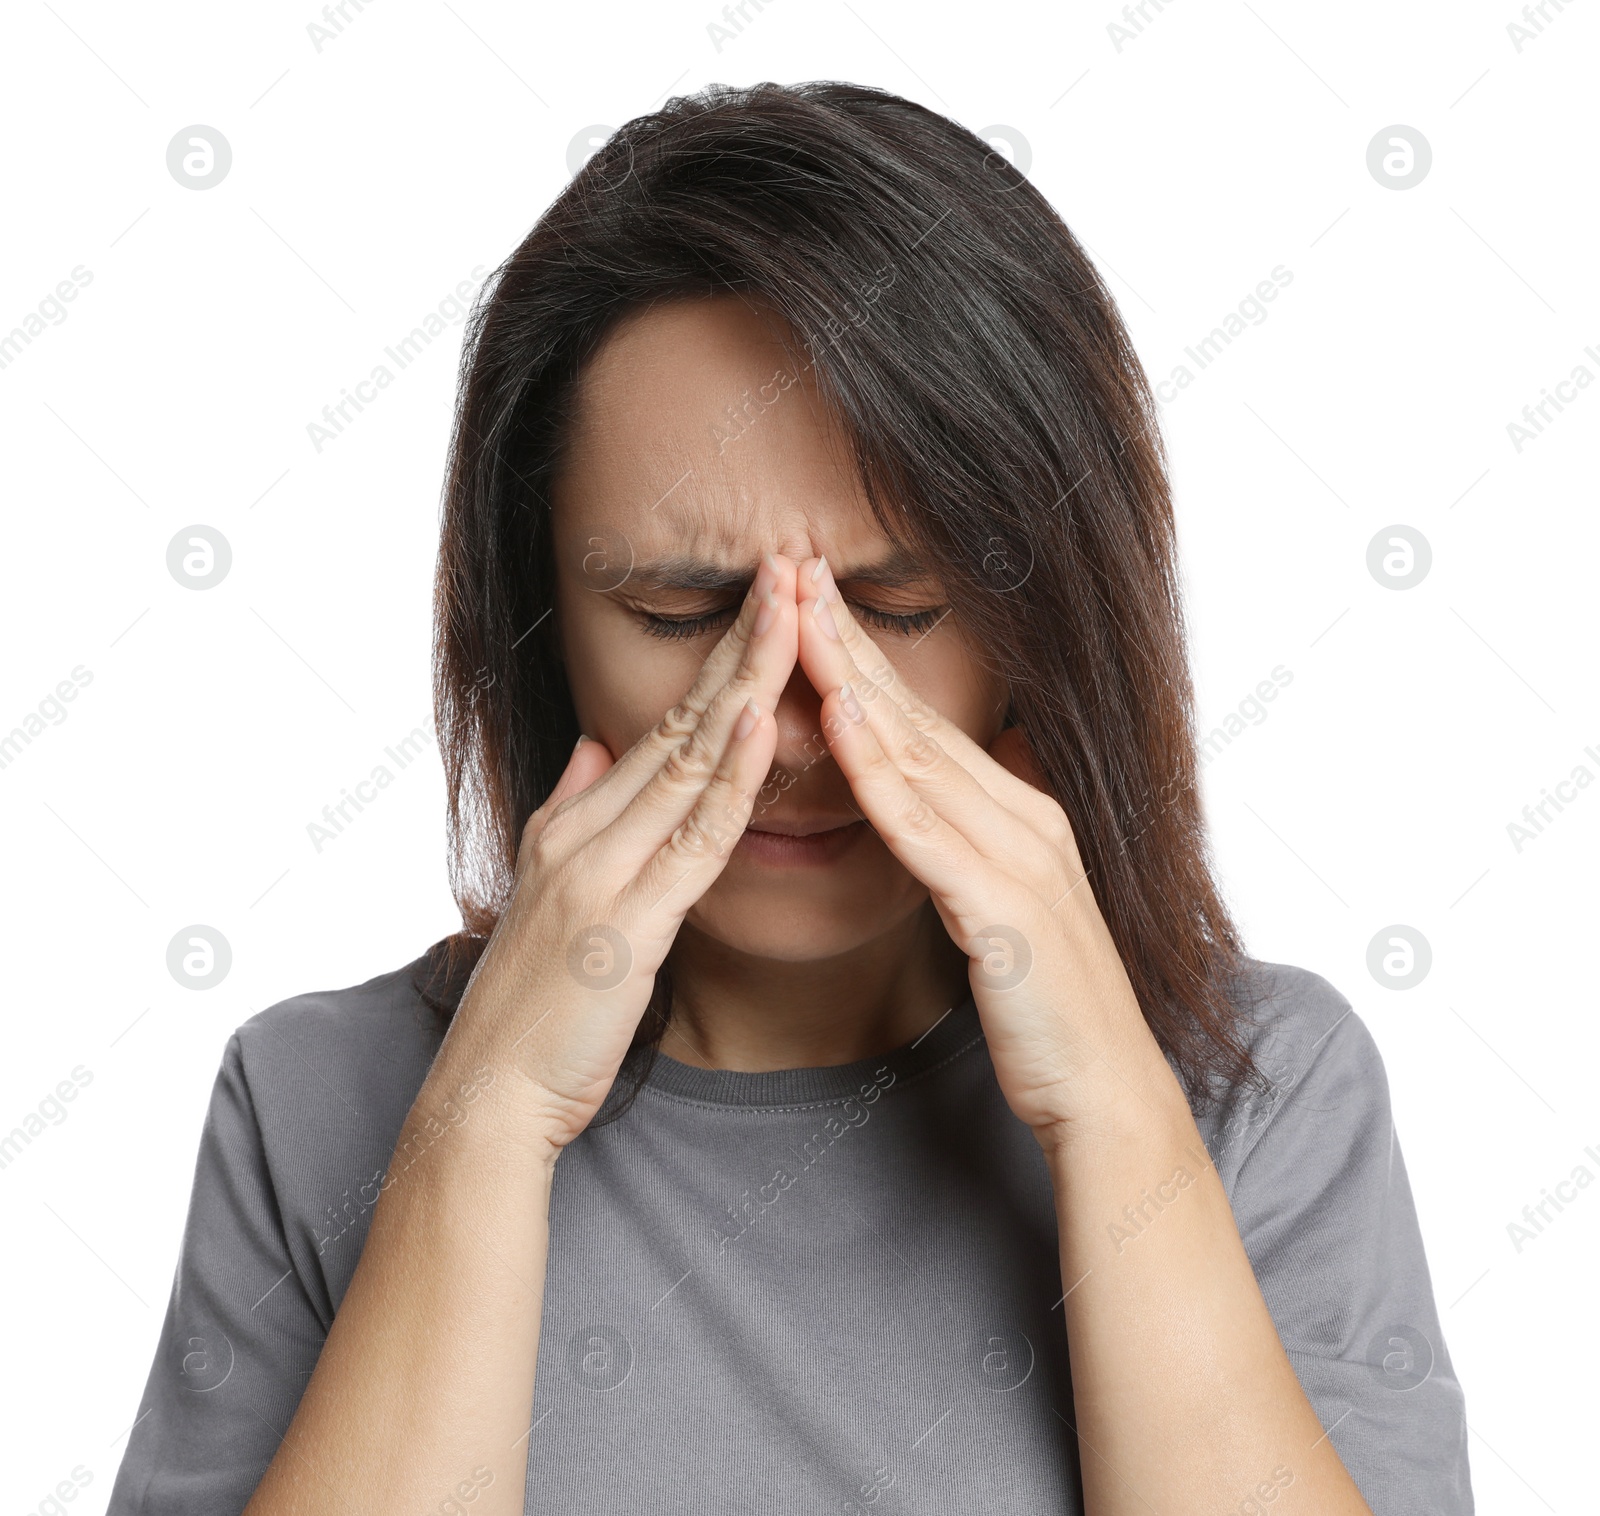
(1325, 1210)
(240, 1337)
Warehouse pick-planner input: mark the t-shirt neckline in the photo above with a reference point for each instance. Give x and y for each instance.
(956, 1030)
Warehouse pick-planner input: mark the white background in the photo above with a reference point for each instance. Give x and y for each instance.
(371, 176)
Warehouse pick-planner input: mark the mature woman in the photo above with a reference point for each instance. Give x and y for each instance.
(848, 1092)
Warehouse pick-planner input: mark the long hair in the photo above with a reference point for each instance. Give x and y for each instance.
(1001, 424)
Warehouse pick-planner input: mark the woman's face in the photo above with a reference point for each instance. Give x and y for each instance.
(699, 444)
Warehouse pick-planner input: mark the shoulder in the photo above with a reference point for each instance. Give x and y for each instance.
(310, 1100)
(350, 1039)
(329, 1076)
(1294, 1016)
(1320, 1069)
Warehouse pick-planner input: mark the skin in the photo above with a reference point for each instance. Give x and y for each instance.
(846, 961)
(1183, 1397)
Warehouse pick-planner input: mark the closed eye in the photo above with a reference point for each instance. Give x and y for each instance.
(672, 629)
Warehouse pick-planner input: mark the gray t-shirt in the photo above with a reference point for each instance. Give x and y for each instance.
(815, 1290)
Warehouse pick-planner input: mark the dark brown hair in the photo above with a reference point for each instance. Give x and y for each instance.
(1002, 425)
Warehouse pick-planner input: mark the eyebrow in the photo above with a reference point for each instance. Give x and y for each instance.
(685, 572)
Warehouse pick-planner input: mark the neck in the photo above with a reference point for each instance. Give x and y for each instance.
(732, 1010)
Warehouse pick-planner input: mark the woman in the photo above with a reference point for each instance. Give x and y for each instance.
(848, 1091)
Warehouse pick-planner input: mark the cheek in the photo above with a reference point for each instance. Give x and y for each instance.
(622, 681)
(943, 672)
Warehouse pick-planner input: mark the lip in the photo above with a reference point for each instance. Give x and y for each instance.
(824, 842)
(784, 826)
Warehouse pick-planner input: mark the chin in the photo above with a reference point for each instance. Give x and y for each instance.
(816, 914)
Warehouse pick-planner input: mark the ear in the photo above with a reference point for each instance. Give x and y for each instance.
(1011, 751)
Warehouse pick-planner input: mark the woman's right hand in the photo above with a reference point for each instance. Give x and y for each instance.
(606, 871)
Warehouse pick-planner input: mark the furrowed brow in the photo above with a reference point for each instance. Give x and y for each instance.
(896, 568)
(683, 572)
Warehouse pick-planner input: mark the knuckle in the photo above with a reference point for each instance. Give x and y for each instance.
(918, 817)
(876, 762)
(695, 836)
(1058, 831)
(745, 681)
(532, 846)
(685, 764)
(724, 813)
(678, 723)
(539, 854)
(920, 753)
(552, 838)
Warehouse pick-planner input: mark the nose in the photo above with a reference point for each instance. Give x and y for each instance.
(801, 743)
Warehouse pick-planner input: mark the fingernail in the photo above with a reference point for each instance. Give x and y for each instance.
(768, 612)
(822, 575)
(580, 742)
(824, 617)
(747, 720)
(766, 576)
(848, 702)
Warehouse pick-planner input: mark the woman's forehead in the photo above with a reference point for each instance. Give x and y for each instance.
(695, 432)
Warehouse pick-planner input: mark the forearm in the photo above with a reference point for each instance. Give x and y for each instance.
(422, 1392)
(1185, 1400)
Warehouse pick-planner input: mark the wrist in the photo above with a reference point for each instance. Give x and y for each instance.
(1113, 1114)
(489, 1116)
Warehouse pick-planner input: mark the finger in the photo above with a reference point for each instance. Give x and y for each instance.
(816, 580)
(958, 876)
(601, 805)
(1012, 751)
(950, 789)
(686, 865)
(585, 764)
(670, 793)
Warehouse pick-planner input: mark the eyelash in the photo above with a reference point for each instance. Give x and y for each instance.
(670, 630)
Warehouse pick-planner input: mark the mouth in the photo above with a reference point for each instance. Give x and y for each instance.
(788, 843)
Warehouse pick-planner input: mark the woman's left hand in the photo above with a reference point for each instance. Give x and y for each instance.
(1068, 1041)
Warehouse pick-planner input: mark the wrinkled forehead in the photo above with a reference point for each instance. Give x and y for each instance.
(698, 431)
